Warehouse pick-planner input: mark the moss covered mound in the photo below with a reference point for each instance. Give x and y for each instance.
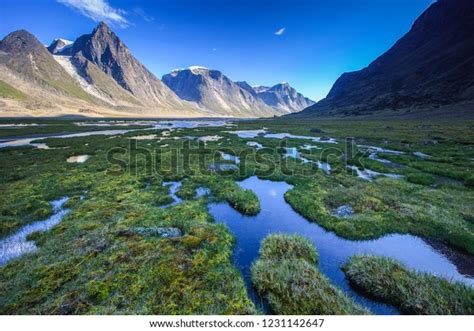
(412, 292)
(287, 276)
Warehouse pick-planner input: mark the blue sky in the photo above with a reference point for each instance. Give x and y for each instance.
(308, 43)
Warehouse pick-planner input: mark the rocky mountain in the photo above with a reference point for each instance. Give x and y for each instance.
(60, 47)
(283, 97)
(103, 50)
(96, 74)
(431, 66)
(244, 85)
(260, 88)
(210, 89)
(25, 62)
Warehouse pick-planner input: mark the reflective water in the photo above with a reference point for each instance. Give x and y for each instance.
(27, 141)
(293, 153)
(421, 155)
(17, 244)
(373, 154)
(190, 124)
(20, 125)
(161, 125)
(369, 175)
(254, 144)
(229, 157)
(263, 133)
(292, 136)
(202, 191)
(173, 189)
(78, 159)
(248, 133)
(277, 216)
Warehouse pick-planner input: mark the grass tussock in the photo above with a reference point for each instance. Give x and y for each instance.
(421, 178)
(287, 276)
(91, 264)
(412, 292)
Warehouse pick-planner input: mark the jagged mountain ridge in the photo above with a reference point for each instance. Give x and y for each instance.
(431, 66)
(70, 76)
(98, 71)
(281, 97)
(213, 90)
(23, 57)
(60, 47)
(106, 51)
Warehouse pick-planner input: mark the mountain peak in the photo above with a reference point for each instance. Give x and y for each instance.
(20, 40)
(214, 91)
(193, 69)
(283, 97)
(60, 46)
(102, 28)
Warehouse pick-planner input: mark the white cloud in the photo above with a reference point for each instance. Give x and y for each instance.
(140, 12)
(98, 10)
(279, 32)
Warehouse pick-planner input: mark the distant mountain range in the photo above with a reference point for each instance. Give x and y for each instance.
(281, 97)
(211, 89)
(431, 67)
(98, 75)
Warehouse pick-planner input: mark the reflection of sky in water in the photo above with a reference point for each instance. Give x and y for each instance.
(278, 216)
(156, 125)
(16, 244)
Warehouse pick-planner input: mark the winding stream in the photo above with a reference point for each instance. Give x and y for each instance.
(277, 216)
(18, 244)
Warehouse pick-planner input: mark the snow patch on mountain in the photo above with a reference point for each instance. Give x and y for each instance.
(66, 63)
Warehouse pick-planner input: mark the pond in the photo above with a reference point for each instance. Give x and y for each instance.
(78, 159)
(277, 216)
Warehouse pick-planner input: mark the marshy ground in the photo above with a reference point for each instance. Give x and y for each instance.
(128, 246)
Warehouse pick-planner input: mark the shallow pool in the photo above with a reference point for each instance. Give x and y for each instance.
(277, 216)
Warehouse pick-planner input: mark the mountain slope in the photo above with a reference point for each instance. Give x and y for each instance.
(212, 90)
(62, 80)
(25, 57)
(106, 51)
(431, 66)
(281, 97)
(60, 46)
(284, 98)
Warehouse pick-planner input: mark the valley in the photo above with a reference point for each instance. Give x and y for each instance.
(187, 213)
(128, 187)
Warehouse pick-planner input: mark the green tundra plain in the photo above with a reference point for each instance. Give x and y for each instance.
(98, 261)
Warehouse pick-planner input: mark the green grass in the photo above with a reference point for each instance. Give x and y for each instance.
(85, 265)
(8, 91)
(469, 181)
(422, 179)
(411, 292)
(286, 275)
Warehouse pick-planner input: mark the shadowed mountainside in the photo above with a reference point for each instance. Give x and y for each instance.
(431, 66)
